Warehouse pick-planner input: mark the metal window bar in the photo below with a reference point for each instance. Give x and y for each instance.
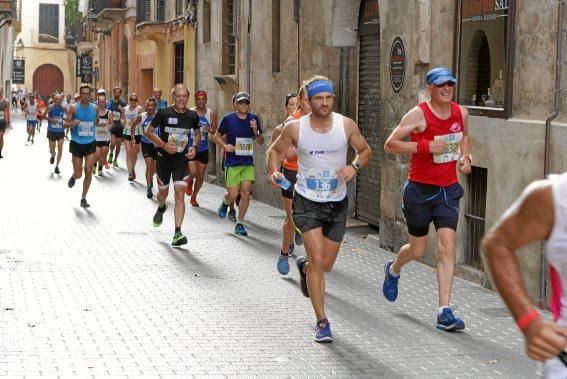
(475, 216)
(160, 10)
(229, 40)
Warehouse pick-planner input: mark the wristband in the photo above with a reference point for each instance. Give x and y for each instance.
(524, 321)
(423, 147)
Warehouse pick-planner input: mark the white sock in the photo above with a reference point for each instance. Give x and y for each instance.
(441, 310)
(392, 272)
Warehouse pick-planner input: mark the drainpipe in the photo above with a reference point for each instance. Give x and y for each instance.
(344, 80)
(296, 10)
(248, 47)
(556, 110)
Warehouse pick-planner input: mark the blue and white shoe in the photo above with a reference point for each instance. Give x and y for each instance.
(323, 331)
(448, 322)
(239, 229)
(222, 210)
(390, 286)
(283, 264)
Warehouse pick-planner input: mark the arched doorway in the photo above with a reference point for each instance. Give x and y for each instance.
(47, 79)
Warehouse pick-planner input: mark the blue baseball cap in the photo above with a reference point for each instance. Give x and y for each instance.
(440, 75)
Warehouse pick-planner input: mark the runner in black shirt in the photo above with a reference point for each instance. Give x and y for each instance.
(175, 124)
(115, 106)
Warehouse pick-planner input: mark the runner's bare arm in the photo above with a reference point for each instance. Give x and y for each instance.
(149, 133)
(358, 142)
(46, 111)
(529, 219)
(69, 123)
(214, 124)
(221, 141)
(466, 161)
(412, 122)
(287, 138)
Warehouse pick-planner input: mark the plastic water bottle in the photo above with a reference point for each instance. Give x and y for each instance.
(283, 182)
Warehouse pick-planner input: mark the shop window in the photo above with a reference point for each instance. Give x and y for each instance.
(275, 35)
(206, 21)
(484, 56)
(228, 38)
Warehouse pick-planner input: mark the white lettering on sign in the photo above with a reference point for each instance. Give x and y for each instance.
(500, 5)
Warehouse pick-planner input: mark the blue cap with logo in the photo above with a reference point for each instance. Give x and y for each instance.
(440, 75)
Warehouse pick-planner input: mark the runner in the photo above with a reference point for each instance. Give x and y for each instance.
(40, 109)
(149, 151)
(30, 110)
(236, 134)
(55, 114)
(160, 103)
(320, 203)
(289, 169)
(432, 191)
(132, 134)
(175, 124)
(540, 214)
(14, 94)
(198, 165)
(102, 134)
(115, 106)
(81, 119)
(4, 119)
(70, 104)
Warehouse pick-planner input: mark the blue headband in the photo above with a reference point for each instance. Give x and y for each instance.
(319, 86)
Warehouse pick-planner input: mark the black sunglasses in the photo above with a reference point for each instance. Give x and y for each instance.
(133, 99)
(449, 83)
(243, 102)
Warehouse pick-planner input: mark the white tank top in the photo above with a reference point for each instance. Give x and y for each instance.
(556, 247)
(130, 118)
(31, 112)
(319, 157)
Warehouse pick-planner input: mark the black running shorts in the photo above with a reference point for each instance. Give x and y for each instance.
(82, 150)
(116, 132)
(290, 175)
(128, 137)
(3, 124)
(55, 136)
(149, 150)
(102, 143)
(168, 169)
(331, 216)
(201, 156)
(424, 203)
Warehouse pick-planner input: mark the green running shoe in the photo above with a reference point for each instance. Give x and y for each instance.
(158, 217)
(179, 239)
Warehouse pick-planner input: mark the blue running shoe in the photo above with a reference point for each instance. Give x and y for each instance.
(222, 210)
(390, 286)
(448, 322)
(239, 229)
(283, 264)
(323, 331)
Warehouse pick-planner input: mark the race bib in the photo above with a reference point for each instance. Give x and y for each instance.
(58, 124)
(102, 133)
(180, 141)
(116, 116)
(244, 146)
(321, 184)
(452, 148)
(86, 129)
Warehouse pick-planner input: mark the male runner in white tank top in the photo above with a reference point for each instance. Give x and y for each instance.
(320, 203)
(539, 214)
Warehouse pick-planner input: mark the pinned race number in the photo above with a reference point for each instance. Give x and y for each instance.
(321, 184)
(86, 129)
(243, 146)
(452, 148)
(180, 141)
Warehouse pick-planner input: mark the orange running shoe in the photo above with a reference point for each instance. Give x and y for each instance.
(189, 190)
(194, 201)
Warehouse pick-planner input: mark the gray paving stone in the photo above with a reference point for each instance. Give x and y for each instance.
(101, 292)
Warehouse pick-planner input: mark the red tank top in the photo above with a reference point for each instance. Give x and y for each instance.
(291, 163)
(422, 168)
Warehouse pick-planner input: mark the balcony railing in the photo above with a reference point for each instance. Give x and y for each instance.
(99, 5)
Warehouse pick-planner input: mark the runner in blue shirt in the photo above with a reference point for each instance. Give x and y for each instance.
(81, 119)
(55, 131)
(236, 134)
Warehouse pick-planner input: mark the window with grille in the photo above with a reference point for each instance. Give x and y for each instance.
(475, 215)
(160, 10)
(229, 41)
(142, 10)
(484, 56)
(179, 7)
(49, 23)
(275, 35)
(179, 52)
(206, 21)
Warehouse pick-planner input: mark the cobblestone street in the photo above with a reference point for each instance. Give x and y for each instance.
(102, 292)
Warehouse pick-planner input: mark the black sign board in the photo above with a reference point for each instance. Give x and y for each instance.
(86, 69)
(78, 66)
(19, 71)
(397, 65)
